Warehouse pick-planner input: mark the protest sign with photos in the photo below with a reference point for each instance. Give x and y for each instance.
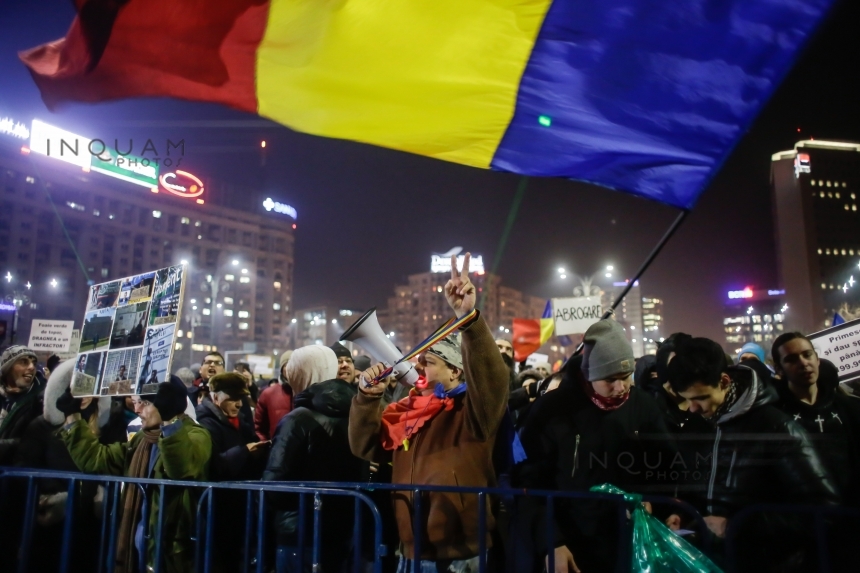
(127, 337)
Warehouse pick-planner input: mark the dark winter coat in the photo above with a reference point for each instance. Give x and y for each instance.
(312, 444)
(23, 410)
(833, 424)
(780, 467)
(231, 460)
(573, 445)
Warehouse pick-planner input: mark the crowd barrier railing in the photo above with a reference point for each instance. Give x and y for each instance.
(258, 549)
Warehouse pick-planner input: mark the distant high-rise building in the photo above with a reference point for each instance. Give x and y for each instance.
(753, 315)
(815, 189)
(652, 323)
(419, 307)
(321, 325)
(628, 313)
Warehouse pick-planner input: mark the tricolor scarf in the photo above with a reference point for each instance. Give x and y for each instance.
(401, 420)
(601, 402)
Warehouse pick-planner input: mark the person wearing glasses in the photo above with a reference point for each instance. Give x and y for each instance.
(212, 365)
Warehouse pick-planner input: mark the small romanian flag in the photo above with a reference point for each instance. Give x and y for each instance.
(531, 333)
(643, 97)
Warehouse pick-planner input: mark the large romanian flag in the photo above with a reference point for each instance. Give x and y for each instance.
(643, 96)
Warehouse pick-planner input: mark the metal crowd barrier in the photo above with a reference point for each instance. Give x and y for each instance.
(256, 557)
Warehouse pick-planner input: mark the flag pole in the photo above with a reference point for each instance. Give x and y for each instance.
(644, 267)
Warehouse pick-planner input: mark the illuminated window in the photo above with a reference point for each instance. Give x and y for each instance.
(244, 279)
(197, 223)
(30, 179)
(207, 312)
(156, 214)
(186, 221)
(813, 182)
(836, 194)
(821, 194)
(244, 314)
(828, 183)
(819, 251)
(228, 300)
(178, 346)
(243, 326)
(228, 312)
(277, 285)
(844, 184)
(229, 278)
(179, 333)
(276, 306)
(96, 212)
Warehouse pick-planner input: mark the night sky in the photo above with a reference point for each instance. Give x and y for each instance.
(367, 216)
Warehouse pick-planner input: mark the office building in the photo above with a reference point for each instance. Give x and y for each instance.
(322, 325)
(652, 324)
(72, 221)
(628, 313)
(418, 307)
(815, 189)
(754, 315)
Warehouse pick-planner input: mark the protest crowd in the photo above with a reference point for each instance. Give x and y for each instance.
(720, 433)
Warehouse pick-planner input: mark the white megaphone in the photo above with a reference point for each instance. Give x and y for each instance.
(367, 333)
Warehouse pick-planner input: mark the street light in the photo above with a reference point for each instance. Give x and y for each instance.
(54, 283)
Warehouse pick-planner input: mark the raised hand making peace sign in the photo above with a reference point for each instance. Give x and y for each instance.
(460, 291)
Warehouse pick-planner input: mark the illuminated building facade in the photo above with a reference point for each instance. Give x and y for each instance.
(652, 324)
(816, 192)
(65, 225)
(753, 315)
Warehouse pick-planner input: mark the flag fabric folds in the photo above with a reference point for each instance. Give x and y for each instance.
(531, 334)
(643, 97)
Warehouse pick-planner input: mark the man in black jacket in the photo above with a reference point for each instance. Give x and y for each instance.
(312, 444)
(809, 392)
(595, 428)
(759, 455)
(236, 455)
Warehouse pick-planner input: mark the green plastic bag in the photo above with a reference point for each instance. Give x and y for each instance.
(656, 549)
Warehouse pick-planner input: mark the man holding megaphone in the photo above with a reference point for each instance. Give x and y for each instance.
(442, 435)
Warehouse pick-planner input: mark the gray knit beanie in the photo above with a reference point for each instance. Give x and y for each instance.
(606, 351)
(11, 354)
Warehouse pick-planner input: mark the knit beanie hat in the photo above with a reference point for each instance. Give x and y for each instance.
(606, 351)
(340, 350)
(448, 349)
(311, 365)
(751, 348)
(10, 355)
(171, 398)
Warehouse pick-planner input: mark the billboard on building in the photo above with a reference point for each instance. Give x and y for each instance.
(127, 339)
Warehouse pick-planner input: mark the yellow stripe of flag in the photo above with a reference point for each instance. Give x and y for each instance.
(433, 77)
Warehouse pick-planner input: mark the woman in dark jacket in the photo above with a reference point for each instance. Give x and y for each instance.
(312, 444)
(236, 455)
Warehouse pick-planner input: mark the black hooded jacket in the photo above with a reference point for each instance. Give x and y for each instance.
(22, 410)
(230, 459)
(762, 455)
(573, 445)
(312, 444)
(833, 425)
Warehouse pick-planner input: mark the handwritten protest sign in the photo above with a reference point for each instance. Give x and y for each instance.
(841, 346)
(51, 335)
(574, 315)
